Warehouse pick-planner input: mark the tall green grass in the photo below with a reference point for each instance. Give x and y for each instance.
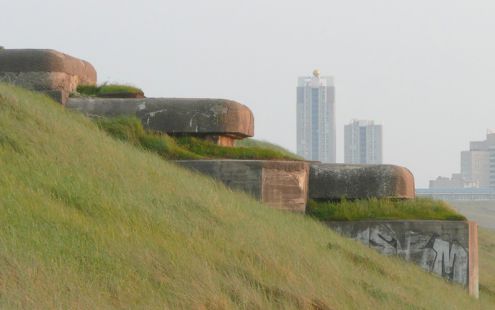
(130, 129)
(486, 241)
(383, 209)
(91, 222)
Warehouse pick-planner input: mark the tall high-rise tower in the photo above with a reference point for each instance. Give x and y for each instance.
(316, 136)
(363, 143)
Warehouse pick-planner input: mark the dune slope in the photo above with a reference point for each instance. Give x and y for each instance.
(87, 221)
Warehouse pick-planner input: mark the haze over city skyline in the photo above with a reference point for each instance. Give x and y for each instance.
(423, 69)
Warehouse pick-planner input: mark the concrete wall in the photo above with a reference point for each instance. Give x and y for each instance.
(176, 116)
(49, 71)
(329, 182)
(288, 184)
(279, 184)
(446, 248)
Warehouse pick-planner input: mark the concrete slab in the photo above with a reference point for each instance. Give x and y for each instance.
(446, 248)
(279, 184)
(45, 70)
(176, 116)
(336, 181)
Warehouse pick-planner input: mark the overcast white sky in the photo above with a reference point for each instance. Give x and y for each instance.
(424, 69)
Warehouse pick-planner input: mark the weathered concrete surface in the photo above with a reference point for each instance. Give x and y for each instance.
(337, 181)
(201, 117)
(279, 184)
(45, 70)
(446, 248)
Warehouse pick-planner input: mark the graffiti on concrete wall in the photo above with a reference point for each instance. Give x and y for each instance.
(448, 259)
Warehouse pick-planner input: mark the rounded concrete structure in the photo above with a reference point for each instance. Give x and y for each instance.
(176, 116)
(46, 60)
(337, 181)
(49, 71)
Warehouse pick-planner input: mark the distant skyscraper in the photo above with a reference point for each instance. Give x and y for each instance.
(316, 118)
(363, 143)
(478, 164)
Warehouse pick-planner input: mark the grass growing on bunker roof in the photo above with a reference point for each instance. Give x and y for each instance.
(107, 89)
(250, 142)
(383, 209)
(131, 130)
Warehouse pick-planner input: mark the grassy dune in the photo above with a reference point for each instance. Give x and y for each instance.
(486, 239)
(88, 221)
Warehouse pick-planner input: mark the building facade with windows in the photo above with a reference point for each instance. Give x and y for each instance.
(316, 130)
(478, 164)
(477, 178)
(363, 143)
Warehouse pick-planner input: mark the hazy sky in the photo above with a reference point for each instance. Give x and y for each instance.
(424, 69)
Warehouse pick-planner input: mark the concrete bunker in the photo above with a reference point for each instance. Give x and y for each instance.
(446, 248)
(331, 182)
(45, 70)
(218, 120)
(280, 184)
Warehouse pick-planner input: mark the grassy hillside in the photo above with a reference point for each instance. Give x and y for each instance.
(486, 239)
(87, 221)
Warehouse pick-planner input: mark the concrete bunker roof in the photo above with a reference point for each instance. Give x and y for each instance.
(46, 60)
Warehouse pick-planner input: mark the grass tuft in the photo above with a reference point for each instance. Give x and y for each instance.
(383, 209)
(87, 90)
(105, 90)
